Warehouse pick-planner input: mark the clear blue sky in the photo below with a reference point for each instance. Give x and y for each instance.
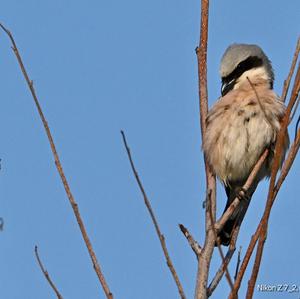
(102, 66)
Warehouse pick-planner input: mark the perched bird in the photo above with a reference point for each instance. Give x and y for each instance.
(242, 123)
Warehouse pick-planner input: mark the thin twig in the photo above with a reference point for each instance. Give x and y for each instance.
(287, 82)
(72, 201)
(228, 277)
(244, 264)
(46, 274)
(193, 243)
(262, 108)
(256, 265)
(238, 263)
(218, 276)
(153, 218)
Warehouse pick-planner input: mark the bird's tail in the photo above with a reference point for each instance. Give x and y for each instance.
(238, 215)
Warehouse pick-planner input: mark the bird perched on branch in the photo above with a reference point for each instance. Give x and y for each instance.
(241, 125)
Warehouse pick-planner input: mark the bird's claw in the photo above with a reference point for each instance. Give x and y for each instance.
(242, 194)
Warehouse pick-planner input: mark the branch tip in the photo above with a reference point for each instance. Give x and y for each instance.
(46, 274)
(154, 220)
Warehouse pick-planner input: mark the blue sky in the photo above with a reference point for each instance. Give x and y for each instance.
(102, 66)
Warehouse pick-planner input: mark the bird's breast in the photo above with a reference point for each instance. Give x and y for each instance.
(237, 134)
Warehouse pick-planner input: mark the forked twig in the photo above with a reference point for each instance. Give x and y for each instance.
(219, 274)
(224, 262)
(46, 274)
(72, 201)
(153, 218)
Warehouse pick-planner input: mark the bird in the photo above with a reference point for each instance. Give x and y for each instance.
(242, 123)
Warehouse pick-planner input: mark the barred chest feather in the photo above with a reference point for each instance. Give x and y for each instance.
(239, 130)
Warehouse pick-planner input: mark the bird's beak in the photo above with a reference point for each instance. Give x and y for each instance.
(227, 86)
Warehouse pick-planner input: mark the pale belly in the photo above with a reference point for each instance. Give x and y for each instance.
(241, 145)
(236, 141)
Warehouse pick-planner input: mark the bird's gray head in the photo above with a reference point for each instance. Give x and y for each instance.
(241, 58)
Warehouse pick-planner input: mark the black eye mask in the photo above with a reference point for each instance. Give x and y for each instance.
(229, 81)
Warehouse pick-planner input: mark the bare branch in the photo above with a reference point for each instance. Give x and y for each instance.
(238, 263)
(193, 243)
(201, 52)
(295, 110)
(287, 82)
(207, 251)
(72, 201)
(295, 90)
(46, 274)
(153, 218)
(256, 265)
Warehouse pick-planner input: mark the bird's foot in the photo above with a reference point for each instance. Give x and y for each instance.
(243, 194)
